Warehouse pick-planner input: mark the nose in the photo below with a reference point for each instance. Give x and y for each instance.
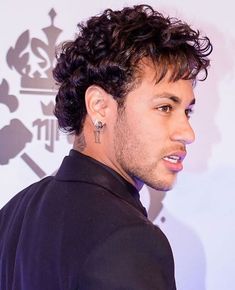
(183, 131)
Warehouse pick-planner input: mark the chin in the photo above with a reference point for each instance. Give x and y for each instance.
(161, 185)
(165, 182)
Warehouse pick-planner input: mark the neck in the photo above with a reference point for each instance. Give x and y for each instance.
(84, 143)
(98, 155)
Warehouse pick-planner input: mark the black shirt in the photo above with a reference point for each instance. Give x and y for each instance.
(83, 229)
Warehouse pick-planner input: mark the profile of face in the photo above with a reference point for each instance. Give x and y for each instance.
(152, 130)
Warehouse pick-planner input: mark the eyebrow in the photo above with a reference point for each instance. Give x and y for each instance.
(175, 99)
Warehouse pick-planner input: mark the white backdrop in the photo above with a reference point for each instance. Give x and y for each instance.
(198, 215)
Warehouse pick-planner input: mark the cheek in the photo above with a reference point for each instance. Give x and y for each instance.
(147, 127)
(155, 131)
(147, 143)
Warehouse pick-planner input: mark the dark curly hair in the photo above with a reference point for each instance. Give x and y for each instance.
(107, 52)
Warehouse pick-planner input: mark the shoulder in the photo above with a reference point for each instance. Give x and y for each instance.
(142, 235)
(19, 201)
(27, 193)
(133, 257)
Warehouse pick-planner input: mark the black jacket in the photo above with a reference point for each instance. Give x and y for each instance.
(84, 229)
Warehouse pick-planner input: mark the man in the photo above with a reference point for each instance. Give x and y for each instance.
(126, 92)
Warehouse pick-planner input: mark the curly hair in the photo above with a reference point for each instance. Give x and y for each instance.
(107, 52)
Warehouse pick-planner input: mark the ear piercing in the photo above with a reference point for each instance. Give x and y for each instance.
(98, 126)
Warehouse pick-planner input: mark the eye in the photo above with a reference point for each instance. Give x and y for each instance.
(189, 112)
(165, 108)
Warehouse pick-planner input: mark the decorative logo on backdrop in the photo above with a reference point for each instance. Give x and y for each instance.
(33, 59)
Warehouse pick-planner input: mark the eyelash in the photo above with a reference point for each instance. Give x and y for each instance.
(165, 108)
(189, 112)
(168, 108)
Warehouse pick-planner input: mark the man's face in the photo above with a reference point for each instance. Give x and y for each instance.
(152, 131)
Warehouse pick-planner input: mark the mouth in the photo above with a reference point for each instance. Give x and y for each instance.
(174, 161)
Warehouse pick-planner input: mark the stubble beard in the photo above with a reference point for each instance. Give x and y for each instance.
(130, 154)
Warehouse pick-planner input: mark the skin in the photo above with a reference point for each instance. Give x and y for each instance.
(142, 140)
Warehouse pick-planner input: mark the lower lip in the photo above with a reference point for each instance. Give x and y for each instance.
(176, 167)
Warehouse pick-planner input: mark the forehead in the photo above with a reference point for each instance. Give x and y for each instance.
(147, 85)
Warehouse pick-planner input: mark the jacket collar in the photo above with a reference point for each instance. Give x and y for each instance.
(79, 167)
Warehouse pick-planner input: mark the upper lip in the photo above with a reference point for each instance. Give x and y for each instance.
(180, 154)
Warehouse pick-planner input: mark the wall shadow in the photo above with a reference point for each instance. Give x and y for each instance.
(189, 255)
(207, 104)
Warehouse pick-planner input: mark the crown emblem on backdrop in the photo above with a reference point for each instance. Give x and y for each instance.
(35, 67)
(48, 110)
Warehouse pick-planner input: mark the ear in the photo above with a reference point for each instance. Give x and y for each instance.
(97, 101)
